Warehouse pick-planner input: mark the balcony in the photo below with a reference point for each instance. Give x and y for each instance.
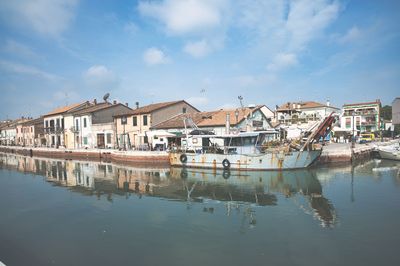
(53, 130)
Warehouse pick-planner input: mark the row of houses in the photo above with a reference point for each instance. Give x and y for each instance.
(93, 124)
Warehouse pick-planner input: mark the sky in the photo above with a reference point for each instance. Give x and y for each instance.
(207, 52)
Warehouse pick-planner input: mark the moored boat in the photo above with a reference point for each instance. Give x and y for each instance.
(391, 152)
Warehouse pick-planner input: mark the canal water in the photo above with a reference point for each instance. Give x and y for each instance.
(61, 212)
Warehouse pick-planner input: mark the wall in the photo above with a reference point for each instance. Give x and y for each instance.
(396, 111)
(163, 114)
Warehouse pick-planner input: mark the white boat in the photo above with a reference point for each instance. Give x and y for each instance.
(242, 151)
(391, 152)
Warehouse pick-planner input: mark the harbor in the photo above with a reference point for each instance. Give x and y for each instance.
(199, 132)
(93, 209)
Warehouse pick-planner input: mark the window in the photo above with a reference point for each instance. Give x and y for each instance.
(31, 129)
(58, 123)
(77, 124)
(85, 140)
(348, 122)
(134, 121)
(184, 110)
(17, 130)
(47, 124)
(123, 120)
(145, 120)
(62, 122)
(84, 122)
(108, 138)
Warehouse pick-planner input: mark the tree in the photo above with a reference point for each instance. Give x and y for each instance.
(386, 112)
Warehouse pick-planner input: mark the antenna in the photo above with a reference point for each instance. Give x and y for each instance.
(106, 96)
(241, 101)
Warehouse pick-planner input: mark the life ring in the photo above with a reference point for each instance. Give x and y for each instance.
(183, 158)
(226, 174)
(226, 164)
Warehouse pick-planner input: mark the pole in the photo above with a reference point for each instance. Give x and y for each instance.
(353, 138)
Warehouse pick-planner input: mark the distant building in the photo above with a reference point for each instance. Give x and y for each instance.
(298, 113)
(93, 126)
(32, 132)
(11, 132)
(396, 111)
(54, 123)
(132, 127)
(361, 117)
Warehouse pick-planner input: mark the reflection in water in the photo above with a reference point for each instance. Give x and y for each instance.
(240, 192)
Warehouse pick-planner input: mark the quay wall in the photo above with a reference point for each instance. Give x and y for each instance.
(343, 153)
(120, 157)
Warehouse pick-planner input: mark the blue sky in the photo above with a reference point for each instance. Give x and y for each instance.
(208, 52)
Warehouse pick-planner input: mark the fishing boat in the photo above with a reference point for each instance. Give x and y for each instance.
(247, 151)
(391, 152)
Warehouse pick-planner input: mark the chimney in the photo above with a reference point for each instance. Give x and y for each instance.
(95, 101)
(137, 105)
(115, 102)
(328, 103)
(227, 123)
(127, 104)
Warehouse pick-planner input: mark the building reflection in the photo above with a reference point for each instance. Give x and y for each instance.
(239, 191)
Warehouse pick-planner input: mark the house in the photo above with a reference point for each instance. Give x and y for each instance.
(303, 113)
(93, 126)
(296, 117)
(219, 122)
(132, 127)
(54, 123)
(361, 117)
(396, 111)
(12, 133)
(33, 132)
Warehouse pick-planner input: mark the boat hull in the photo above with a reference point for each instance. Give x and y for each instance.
(265, 161)
(389, 155)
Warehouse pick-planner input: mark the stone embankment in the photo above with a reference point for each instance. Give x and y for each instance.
(126, 157)
(343, 153)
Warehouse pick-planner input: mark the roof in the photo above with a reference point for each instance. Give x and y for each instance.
(38, 120)
(365, 103)
(303, 105)
(207, 119)
(92, 108)
(154, 107)
(63, 109)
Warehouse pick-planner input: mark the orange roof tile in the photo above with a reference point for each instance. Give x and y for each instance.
(207, 119)
(63, 109)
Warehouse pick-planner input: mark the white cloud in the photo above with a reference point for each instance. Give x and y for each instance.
(50, 17)
(282, 61)
(19, 49)
(197, 49)
(100, 77)
(351, 35)
(182, 17)
(198, 101)
(154, 56)
(22, 69)
(307, 19)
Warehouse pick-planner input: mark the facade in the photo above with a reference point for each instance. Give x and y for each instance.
(33, 132)
(93, 127)
(54, 124)
(303, 113)
(219, 122)
(396, 111)
(361, 117)
(132, 128)
(11, 133)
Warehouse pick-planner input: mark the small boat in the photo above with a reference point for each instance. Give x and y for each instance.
(391, 152)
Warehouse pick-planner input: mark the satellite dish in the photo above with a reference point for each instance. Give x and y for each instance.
(106, 96)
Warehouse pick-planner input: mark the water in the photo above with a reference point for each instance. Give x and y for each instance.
(57, 212)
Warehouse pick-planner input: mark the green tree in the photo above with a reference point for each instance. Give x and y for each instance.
(386, 112)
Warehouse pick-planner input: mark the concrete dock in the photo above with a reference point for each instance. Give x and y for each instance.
(343, 153)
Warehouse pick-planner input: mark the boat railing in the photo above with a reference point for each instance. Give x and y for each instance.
(217, 149)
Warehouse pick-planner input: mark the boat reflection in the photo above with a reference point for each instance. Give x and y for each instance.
(238, 190)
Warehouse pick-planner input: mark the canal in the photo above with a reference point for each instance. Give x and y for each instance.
(62, 212)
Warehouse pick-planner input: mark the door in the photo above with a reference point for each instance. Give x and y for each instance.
(100, 141)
